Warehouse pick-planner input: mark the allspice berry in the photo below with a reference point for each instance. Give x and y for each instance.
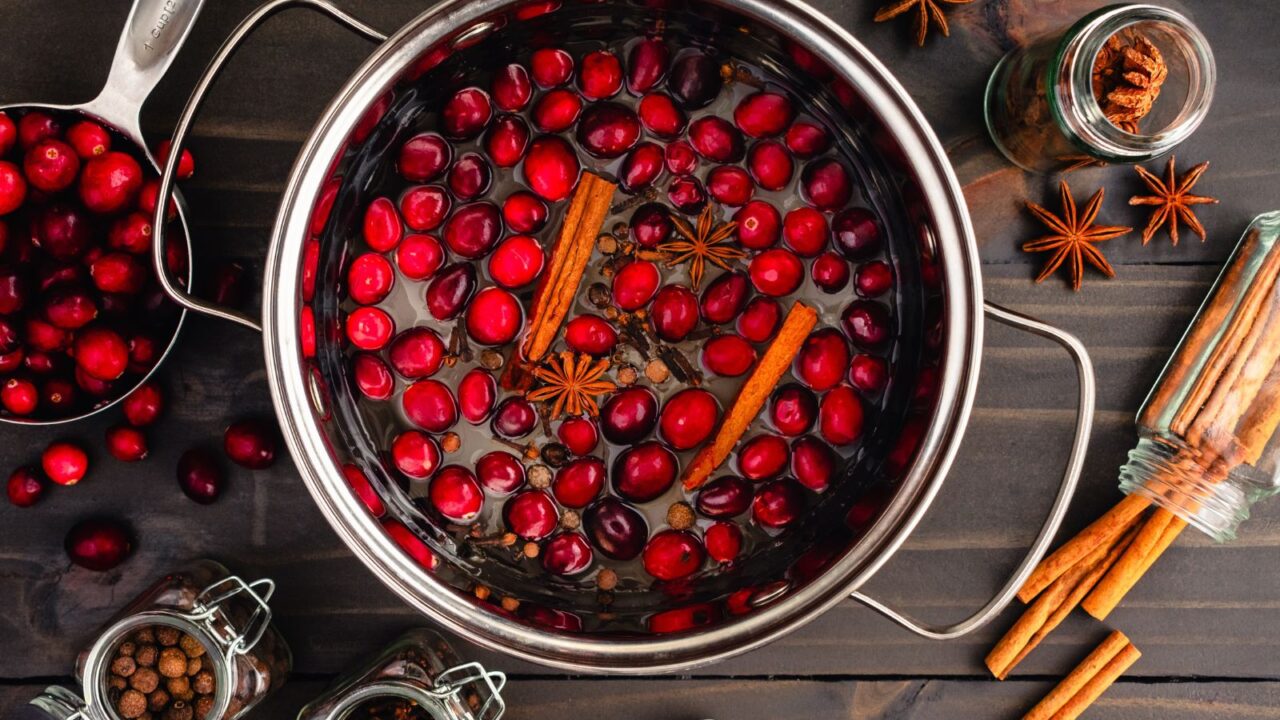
(132, 704)
(158, 700)
(680, 516)
(191, 646)
(180, 688)
(173, 662)
(145, 636)
(123, 666)
(146, 655)
(117, 683)
(204, 706)
(127, 648)
(539, 476)
(510, 604)
(202, 683)
(144, 680)
(167, 636)
(657, 371)
(607, 579)
(450, 442)
(179, 710)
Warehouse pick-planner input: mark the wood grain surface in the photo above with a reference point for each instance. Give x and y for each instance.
(1206, 619)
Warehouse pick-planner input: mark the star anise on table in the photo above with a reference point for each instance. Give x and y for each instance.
(925, 10)
(1073, 237)
(1172, 199)
(571, 384)
(702, 244)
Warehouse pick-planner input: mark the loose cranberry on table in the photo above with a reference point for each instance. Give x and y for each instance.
(25, 487)
(126, 443)
(251, 443)
(64, 463)
(98, 544)
(200, 476)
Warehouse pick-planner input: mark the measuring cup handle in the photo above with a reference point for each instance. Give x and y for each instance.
(1075, 462)
(169, 171)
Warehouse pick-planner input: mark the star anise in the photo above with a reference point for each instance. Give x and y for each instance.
(1073, 237)
(1172, 199)
(926, 9)
(572, 384)
(702, 244)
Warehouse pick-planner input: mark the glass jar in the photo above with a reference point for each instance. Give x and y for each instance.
(418, 677)
(1043, 107)
(228, 617)
(1207, 447)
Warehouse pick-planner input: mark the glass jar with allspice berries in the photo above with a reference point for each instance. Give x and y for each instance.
(197, 645)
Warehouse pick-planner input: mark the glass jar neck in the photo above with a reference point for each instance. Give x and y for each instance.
(1196, 488)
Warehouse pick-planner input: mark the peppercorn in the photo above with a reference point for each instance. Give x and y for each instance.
(481, 592)
(123, 666)
(539, 476)
(146, 655)
(202, 682)
(599, 295)
(131, 704)
(680, 516)
(606, 579)
(144, 680)
(168, 636)
(173, 662)
(180, 688)
(627, 376)
(158, 700)
(570, 520)
(191, 646)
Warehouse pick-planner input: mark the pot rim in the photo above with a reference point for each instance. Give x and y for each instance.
(962, 285)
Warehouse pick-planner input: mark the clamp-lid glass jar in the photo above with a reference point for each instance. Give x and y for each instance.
(215, 624)
(417, 677)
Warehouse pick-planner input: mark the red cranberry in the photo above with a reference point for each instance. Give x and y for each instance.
(450, 290)
(466, 114)
(759, 225)
(688, 418)
(590, 334)
(673, 554)
(13, 188)
(64, 463)
(641, 167)
(494, 317)
(730, 185)
(680, 158)
(51, 166)
(500, 472)
(58, 395)
(840, 420)
(363, 489)
(770, 165)
(98, 545)
(776, 272)
(310, 266)
(579, 482)
(126, 444)
(45, 337)
(92, 385)
(647, 65)
(149, 196)
(382, 230)
(556, 111)
(110, 183)
(675, 313)
(505, 144)
(13, 292)
(69, 308)
(566, 554)
(661, 116)
(644, 471)
(131, 233)
(806, 139)
(793, 410)
(514, 418)
(517, 261)
(600, 76)
(524, 212)
(615, 528)
(759, 320)
(866, 323)
(368, 328)
(728, 355)
(551, 168)
(415, 454)
(629, 415)
(10, 361)
(417, 353)
(763, 457)
(101, 353)
(822, 360)
(251, 443)
(683, 619)
(424, 157)
(868, 373)
(470, 176)
(695, 80)
(724, 497)
(477, 393)
(424, 208)
(369, 278)
(24, 486)
(36, 126)
(372, 376)
(473, 230)
(651, 225)
(763, 114)
(186, 162)
(724, 298)
(873, 279)
(419, 256)
(724, 542)
(455, 493)
(324, 206)
(62, 231)
(608, 130)
(511, 88)
(430, 405)
(777, 504)
(19, 396)
(551, 67)
(142, 406)
(687, 195)
(813, 463)
(531, 515)
(579, 435)
(634, 284)
(805, 231)
(411, 544)
(8, 134)
(830, 272)
(826, 184)
(716, 139)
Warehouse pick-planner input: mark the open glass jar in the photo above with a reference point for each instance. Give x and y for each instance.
(1123, 85)
(202, 616)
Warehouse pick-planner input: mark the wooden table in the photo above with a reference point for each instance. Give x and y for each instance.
(1206, 619)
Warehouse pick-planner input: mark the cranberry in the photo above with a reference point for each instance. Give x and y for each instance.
(62, 231)
(680, 158)
(477, 393)
(517, 261)
(629, 415)
(579, 435)
(826, 184)
(19, 396)
(759, 320)
(110, 183)
(688, 418)
(579, 482)
(805, 231)
(524, 212)
(69, 308)
(424, 157)
(759, 225)
(661, 116)
(730, 185)
(634, 284)
(551, 67)
(695, 80)
(763, 457)
(186, 162)
(777, 504)
(724, 542)
(868, 373)
(551, 168)
(382, 230)
(856, 233)
(142, 406)
(307, 331)
(251, 443)
(58, 395)
(473, 230)
(368, 328)
(92, 385)
(45, 337)
(36, 126)
(866, 323)
(687, 195)
(24, 486)
(600, 76)
(830, 272)
(419, 256)
(514, 418)
(641, 167)
(590, 334)
(131, 233)
(806, 139)
(651, 225)
(716, 139)
(763, 114)
(684, 618)
(411, 544)
(466, 114)
(511, 88)
(149, 196)
(372, 376)
(500, 472)
(98, 545)
(13, 188)
(793, 410)
(531, 515)
(101, 353)
(494, 317)
(840, 420)
(822, 359)
(126, 444)
(51, 166)
(728, 355)
(813, 463)
(64, 463)
(8, 134)
(608, 130)
(424, 208)
(724, 497)
(675, 313)
(310, 266)
(13, 292)
(770, 165)
(430, 405)
(450, 290)
(647, 65)
(644, 471)
(10, 361)
(455, 493)
(363, 489)
(673, 554)
(616, 529)
(505, 144)
(470, 176)
(369, 278)
(556, 111)
(566, 554)
(324, 206)
(776, 272)
(415, 454)
(873, 279)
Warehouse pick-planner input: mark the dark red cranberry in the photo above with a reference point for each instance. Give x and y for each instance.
(579, 435)
(763, 114)
(629, 415)
(641, 167)
(131, 233)
(517, 261)
(466, 114)
(826, 184)
(415, 454)
(110, 183)
(200, 476)
(616, 529)
(382, 230)
(579, 482)
(494, 317)
(324, 206)
(776, 272)
(868, 373)
(13, 292)
(430, 405)
(368, 328)
(412, 545)
(590, 334)
(51, 166)
(92, 385)
(673, 554)
(511, 88)
(806, 139)
(777, 504)
(634, 284)
(759, 319)
(695, 80)
(551, 67)
(251, 443)
(531, 514)
(724, 497)
(600, 76)
(25, 487)
(651, 225)
(450, 290)
(477, 393)
(680, 158)
(419, 256)
(142, 406)
(644, 471)
(372, 376)
(867, 324)
(455, 493)
(473, 230)
(759, 225)
(369, 278)
(566, 554)
(805, 231)
(514, 418)
(556, 111)
(98, 545)
(840, 419)
(822, 359)
(813, 463)
(687, 195)
(58, 395)
(763, 457)
(716, 139)
(505, 144)
(500, 472)
(8, 134)
(608, 129)
(873, 279)
(770, 165)
(126, 444)
(688, 418)
(19, 396)
(724, 542)
(551, 168)
(728, 355)
(524, 212)
(69, 308)
(730, 185)
(470, 176)
(724, 298)
(793, 409)
(856, 233)
(62, 231)
(13, 188)
(424, 208)
(363, 489)
(830, 272)
(647, 65)
(46, 337)
(661, 116)
(186, 162)
(674, 313)
(101, 353)
(12, 360)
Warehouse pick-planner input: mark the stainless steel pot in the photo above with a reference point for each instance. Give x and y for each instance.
(933, 226)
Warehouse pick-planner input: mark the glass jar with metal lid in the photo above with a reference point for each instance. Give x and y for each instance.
(417, 677)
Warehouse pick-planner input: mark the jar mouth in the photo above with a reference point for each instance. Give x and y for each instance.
(1179, 107)
(433, 707)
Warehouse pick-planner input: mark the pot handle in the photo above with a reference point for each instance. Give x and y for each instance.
(1075, 462)
(185, 120)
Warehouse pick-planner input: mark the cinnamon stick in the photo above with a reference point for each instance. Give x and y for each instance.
(1102, 531)
(1088, 681)
(1155, 536)
(775, 362)
(1259, 422)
